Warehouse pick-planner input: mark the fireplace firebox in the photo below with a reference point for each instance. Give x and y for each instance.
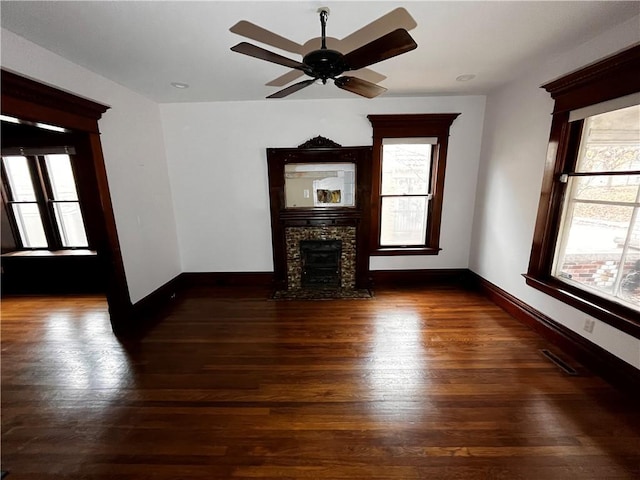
(320, 263)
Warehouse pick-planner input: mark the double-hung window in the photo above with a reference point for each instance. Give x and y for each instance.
(409, 159)
(598, 248)
(39, 191)
(404, 191)
(586, 248)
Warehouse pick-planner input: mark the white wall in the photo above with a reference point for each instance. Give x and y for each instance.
(134, 156)
(514, 146)
(218, 169)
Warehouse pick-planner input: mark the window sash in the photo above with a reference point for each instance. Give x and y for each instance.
(404, 227)
(594, 207)
(29, 224)
(70, 224)
(593, 264)
(59, 225)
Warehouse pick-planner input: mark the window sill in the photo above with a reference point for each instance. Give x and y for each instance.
(398, 251)
(80, 252)
(612, 313)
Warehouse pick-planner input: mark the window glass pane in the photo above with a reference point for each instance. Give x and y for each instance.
(30, 225)
(591, 252)
(70, 224)
(609, 188)
(61, 177)
(405, 169)
(611, 141)
(629, 287)
(403, 221)
(19, 179)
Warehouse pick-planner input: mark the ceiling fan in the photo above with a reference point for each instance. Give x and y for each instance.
(326, 64)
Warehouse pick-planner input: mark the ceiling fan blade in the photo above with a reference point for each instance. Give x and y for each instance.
(390, 45)
(285, 79)
(370, 75)
(397, 18)
(262, 35)
(292, 89)
(257, 52)
(359, 86)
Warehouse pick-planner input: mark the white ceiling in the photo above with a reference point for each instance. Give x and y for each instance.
(147, 45)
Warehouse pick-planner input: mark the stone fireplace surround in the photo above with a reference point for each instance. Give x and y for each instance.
(293, 237)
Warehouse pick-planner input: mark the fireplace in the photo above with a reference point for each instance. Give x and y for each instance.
(320, 261)
(327, 238)
(320, 245)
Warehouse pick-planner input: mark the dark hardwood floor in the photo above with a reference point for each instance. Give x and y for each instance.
(413, 384)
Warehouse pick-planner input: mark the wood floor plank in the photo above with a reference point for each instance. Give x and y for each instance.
(433, 383)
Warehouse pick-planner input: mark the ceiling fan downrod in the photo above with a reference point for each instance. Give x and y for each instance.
(324, 64)
(323, 26)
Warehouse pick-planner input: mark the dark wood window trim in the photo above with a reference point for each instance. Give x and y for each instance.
(407, 126)
(608, 79)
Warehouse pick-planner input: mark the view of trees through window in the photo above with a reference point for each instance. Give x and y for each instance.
(599, 243)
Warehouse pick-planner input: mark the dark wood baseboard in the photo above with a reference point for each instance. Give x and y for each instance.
(386, 278)
(146, 312)
(226, 279)
(389, 278)
(153, 302)
(617, 372)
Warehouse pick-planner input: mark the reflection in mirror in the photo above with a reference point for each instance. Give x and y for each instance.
(322, 185)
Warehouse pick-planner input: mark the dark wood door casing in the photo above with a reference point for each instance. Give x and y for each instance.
(31, 101)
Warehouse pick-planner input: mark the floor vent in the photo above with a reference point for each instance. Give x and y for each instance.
(564, 366)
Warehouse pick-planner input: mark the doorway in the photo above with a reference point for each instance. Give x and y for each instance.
(33, 103)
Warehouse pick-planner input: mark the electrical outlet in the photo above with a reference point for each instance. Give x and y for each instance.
(589, 323)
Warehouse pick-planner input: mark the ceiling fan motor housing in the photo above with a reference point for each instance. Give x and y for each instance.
(324, 64)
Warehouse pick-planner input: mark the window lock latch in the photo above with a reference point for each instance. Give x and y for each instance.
(564, 178)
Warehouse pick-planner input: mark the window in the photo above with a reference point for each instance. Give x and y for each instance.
(404, 191)
(409, 158)
(40, 193)
(586, 248)
(598, 248)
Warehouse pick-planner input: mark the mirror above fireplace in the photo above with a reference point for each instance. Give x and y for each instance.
(319, 185)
